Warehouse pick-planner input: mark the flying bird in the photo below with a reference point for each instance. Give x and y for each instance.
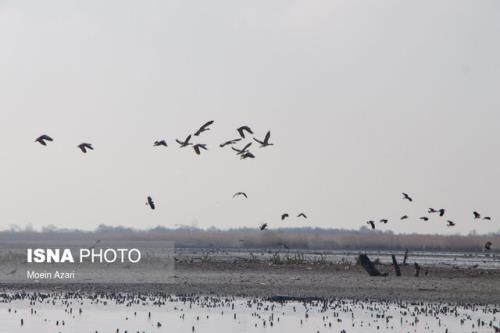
(199, 146)
(263, 226)
(302, 215)
(432, 210)
(372, 224)
(284, 216)
(185, 143)
(204, 128)
(476, 215)
(247, 155)
(237, 194)
(404, 217)
(84, 146)
(441, 212)
(151, 203)
(450, 223)
(488, 245)
(244, 129)
(230, 142)
(424, 218)
(160, 143)
(266, 142)
(487, 218)
(384, 221)
(43, 138)
(242, 151)
(407, 197)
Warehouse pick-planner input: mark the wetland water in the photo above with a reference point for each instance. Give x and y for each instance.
(44, 313)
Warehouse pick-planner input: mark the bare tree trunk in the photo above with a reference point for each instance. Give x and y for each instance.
(405, 257)
(369, 266)
(417, 269)
(396, 266)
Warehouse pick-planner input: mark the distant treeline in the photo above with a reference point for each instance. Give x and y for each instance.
(294, 238)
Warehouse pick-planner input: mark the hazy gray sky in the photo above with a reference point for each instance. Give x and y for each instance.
(365, 99)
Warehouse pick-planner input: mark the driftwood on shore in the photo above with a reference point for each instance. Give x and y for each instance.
(396, 266)
(405, 258)
(369, 266)
(417, 270)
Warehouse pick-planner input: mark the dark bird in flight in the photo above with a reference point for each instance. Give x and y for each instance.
(199, 146)
(242, 151)
(244, 129)
(247, 155)
(151, 203)
(237, 194)
(160, 143)
(476, 215)
(266, 142)
(441, 212)
(43, 138)
(372, 224)
(384, 221)
(487, 218)
(285, 246)
(424, 218)
(230, 142)
(185, 143)
(488, 245)
(450, 223)
(432, 210)
(263, 226)
(407, 197)
(302, 215)
(204, 128)
(84, 146)
(284, 216)
(404, 217)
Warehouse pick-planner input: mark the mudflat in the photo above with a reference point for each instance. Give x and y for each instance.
(306, 281)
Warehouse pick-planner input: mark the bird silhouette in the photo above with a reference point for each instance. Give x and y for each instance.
(407, 197)
(450, 223)
(230, 142)
(197, 148)
(84, 146)
(302, 215)
(244, 129)
(432, 210)
(266, 142)
(487, 218)
(160, 143)
(263, 226)
(476, 215)
(384, 221)
(204, 128)
(441, 212)
(184, 143)
(284, 216)
(488, 245)
(43, 138)
(243, 150)
(424, 218)
(404, 217)
(151, 203)
(372, 224)
(247, 155)
(237, 194)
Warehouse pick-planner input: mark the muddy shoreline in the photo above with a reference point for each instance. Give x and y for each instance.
(305, 281)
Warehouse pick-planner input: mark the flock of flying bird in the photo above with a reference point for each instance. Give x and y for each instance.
(441, 212)
(243, 152)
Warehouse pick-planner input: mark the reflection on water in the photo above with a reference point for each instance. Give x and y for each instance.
(122, 313)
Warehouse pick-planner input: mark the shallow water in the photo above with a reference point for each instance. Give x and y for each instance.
(221, 315)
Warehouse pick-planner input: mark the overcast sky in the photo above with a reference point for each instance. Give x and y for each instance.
(365, 100)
